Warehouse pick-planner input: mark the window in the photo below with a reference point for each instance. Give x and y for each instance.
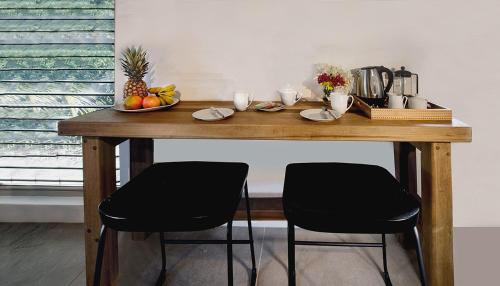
(56, 62)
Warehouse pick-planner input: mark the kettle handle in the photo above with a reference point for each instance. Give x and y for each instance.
(381, 70)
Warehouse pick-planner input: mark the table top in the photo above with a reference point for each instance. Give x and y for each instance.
(282, 125)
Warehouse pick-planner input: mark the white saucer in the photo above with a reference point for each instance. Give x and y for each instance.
(319, 115)
(270, 106)
(211, 115)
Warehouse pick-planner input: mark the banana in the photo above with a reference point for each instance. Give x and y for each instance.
(162, 100)
(168, 99)
(166, 93)
(154, 89)
(166, 90)
(170, 87)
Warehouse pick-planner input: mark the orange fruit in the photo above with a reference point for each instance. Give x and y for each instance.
(151, 101)
(133, 102)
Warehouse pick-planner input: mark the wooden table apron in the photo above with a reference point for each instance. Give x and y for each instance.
(103, 130)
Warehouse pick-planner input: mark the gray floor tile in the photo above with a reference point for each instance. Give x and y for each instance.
(319, 265)
(186, 264)
(40, 254)
(79, 280)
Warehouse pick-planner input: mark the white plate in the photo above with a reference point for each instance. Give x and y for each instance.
(318, 115)
(211, 115)
(121, 108)
(275, 106)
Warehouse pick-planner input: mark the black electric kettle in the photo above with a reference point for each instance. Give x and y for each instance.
(370, 84)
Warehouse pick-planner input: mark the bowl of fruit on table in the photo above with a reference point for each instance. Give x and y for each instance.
(158, 98)
(137, 96)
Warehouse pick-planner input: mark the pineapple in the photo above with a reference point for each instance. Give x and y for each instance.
(135, 67)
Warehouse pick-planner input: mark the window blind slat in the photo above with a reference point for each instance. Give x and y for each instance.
(56, 88)
(42, 163)
(46, 100)
(54, 4)
(20, 38)
(43, 113)
(54, 63)
(87, 50)
(14, 26)
(39, 150)
(38, 137)
(57, 75)
(57, 13)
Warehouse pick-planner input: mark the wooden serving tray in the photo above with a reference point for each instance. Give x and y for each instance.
(434, 112)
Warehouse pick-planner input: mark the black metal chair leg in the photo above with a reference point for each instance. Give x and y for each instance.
(163, 272)
(421, 266)
(253, 277)
(291, 255)
(387, 278)
(230, 253)
(100, 256)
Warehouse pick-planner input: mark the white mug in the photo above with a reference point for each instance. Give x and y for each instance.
(290, 97)
(416, 102)
(340, 102)
(397, 101)
(242, 100)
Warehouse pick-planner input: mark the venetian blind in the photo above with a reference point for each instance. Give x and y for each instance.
(56, 62)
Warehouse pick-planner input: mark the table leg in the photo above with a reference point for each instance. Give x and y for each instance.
(141, 157)
(99, 181)
(405, 163)
(437, 215)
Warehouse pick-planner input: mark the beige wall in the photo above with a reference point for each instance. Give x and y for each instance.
(210, 48)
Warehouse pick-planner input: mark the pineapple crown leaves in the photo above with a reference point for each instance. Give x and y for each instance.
(134, 63)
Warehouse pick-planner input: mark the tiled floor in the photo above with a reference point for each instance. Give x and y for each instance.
(52, 254)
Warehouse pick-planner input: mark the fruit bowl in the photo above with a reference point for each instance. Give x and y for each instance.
(121, 108)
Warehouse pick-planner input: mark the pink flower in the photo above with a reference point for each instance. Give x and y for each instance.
(338, 80)
(323, 78)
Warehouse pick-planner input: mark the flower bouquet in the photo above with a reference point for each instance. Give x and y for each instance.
(333, 79)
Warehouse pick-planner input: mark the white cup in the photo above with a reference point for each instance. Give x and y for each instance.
(242, 100)
(290, 97)
(340, 102)
(397, 101)
(416, 102)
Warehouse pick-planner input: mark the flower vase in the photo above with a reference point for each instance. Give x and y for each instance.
(326, 96)
(326, 99)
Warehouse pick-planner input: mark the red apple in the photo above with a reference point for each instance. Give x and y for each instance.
(133, 102)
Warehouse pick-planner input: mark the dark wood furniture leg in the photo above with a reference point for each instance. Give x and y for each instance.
(437, 214)
(141, 157)
(99, 181)
(405, 163)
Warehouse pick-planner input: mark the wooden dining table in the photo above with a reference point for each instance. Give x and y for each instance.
(103, 130)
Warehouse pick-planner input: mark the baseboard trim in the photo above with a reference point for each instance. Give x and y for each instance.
(41, 209)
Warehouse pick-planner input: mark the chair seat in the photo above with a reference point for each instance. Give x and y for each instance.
(347, 198)
(177, 196)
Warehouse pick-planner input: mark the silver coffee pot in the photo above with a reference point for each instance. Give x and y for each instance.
(369, 84)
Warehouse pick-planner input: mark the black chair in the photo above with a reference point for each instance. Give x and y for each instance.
(179, 196)
(347, 198)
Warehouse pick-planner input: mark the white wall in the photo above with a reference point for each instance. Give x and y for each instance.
(210, 48)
